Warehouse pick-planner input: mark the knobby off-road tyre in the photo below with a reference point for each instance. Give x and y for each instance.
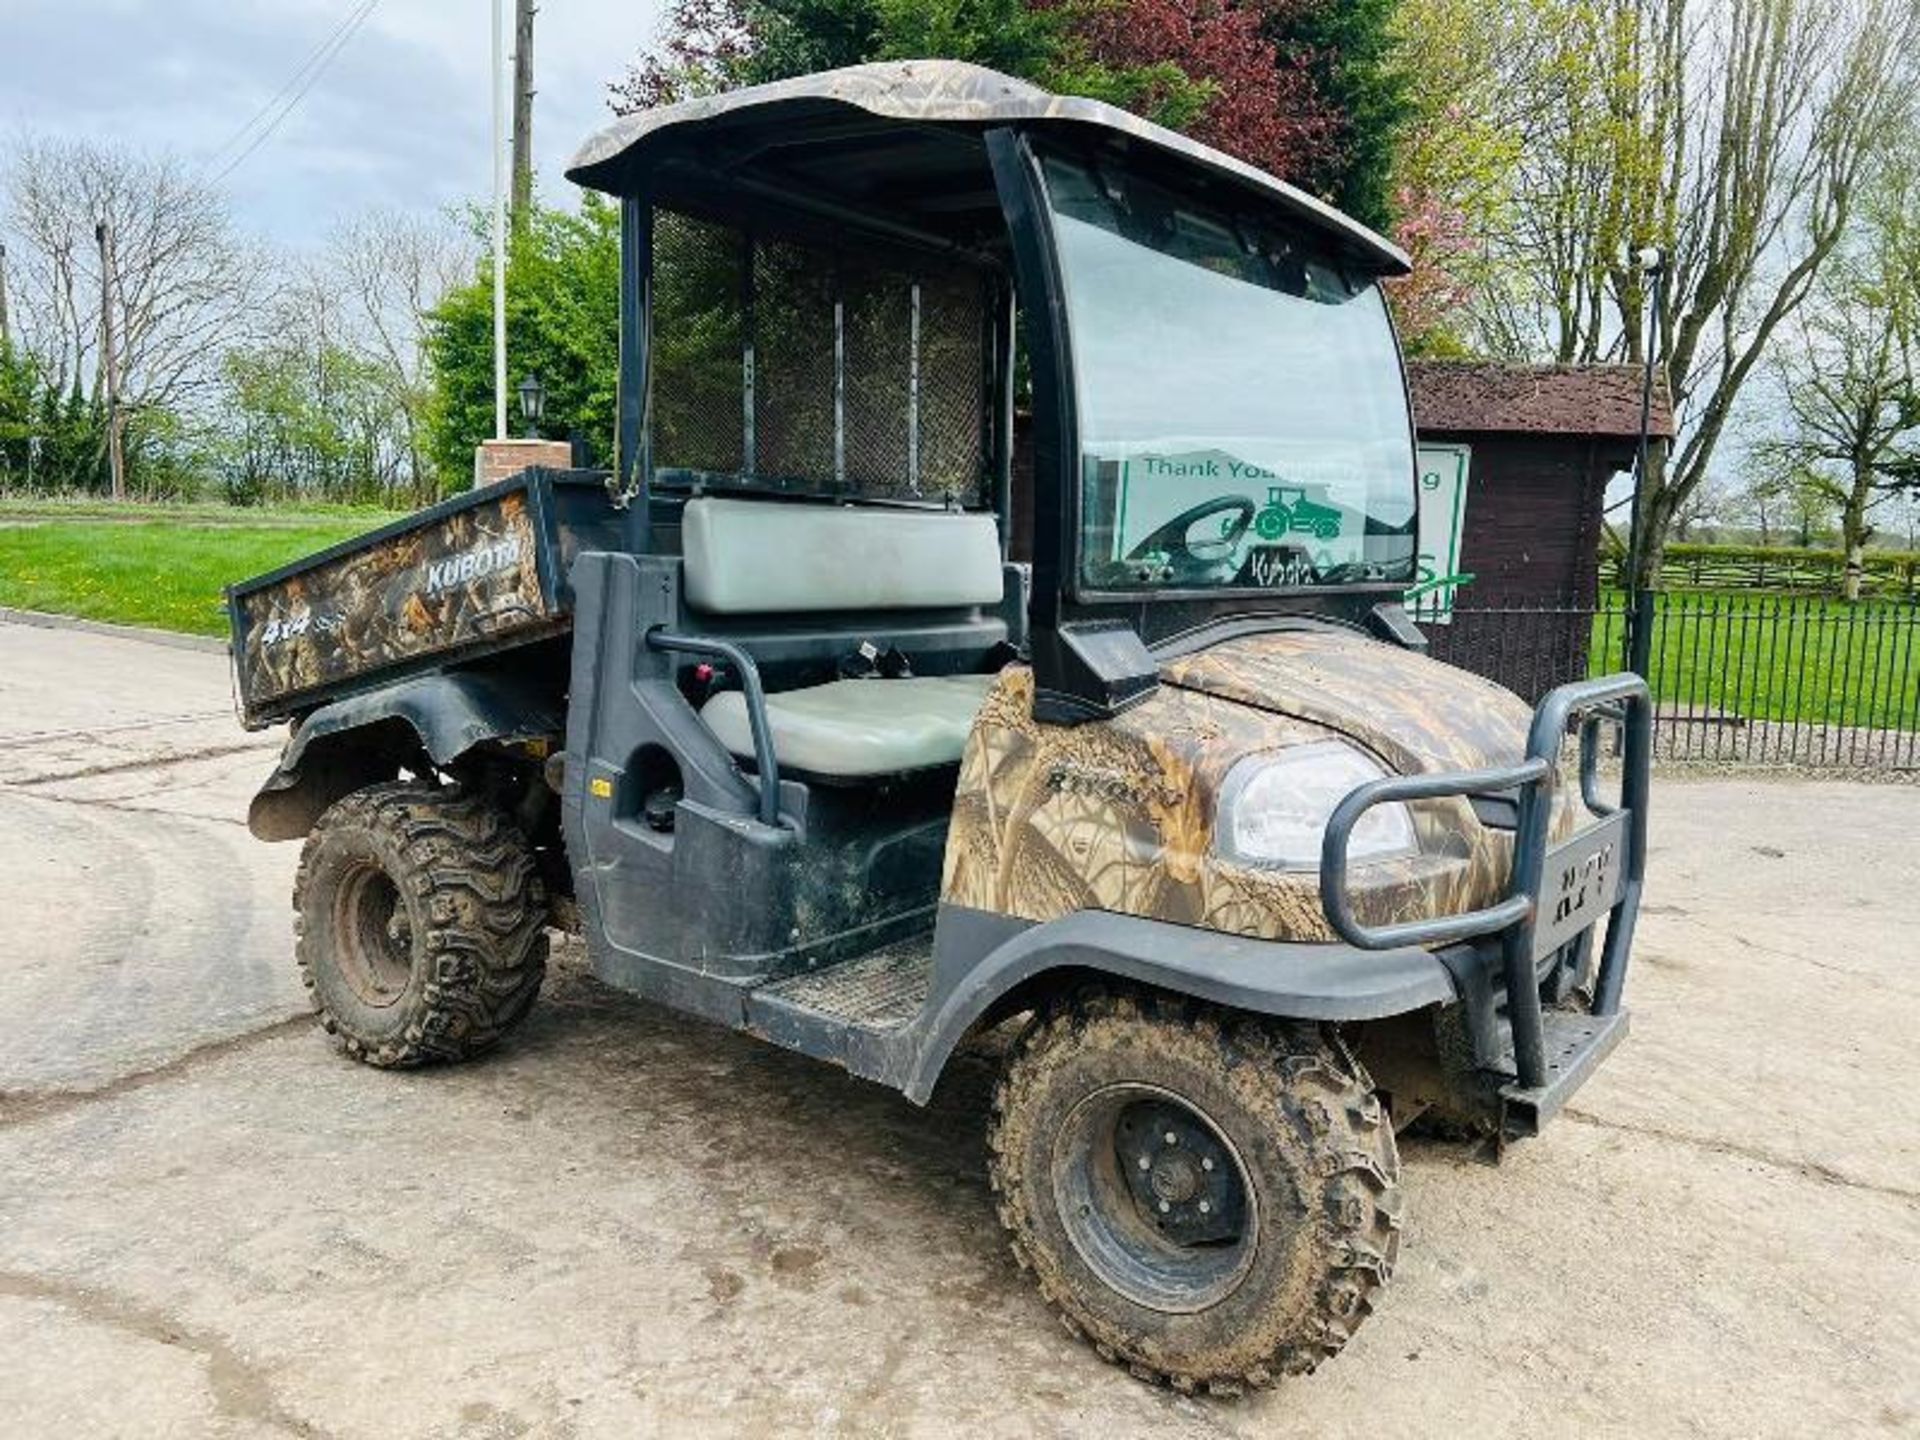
(421, 923)
(1120, 1132)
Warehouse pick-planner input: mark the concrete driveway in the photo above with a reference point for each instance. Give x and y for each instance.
(627, 1223)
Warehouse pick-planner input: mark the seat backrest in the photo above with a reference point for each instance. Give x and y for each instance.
(759, 557)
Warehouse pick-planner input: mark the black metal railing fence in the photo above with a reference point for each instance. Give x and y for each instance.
(1736, 679)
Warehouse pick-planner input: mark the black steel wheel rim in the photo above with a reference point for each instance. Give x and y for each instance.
(1154, 1198)
(375, 937)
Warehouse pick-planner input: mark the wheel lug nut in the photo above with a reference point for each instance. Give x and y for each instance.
(1165, 1207)
(1145, 1163)
(1206, 1162)
(1206, 1207)
(1172, 1139)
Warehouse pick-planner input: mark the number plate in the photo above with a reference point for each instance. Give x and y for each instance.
(1580, 883)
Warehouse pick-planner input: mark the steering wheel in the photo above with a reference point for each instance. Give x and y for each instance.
(1199, 561)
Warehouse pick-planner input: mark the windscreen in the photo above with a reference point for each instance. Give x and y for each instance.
(1242, 413)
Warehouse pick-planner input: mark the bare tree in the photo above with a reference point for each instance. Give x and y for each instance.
(388, 271)
(1734, 136)
(184, 283)
(1707, 504)
(1757, 503)
(1905, 515)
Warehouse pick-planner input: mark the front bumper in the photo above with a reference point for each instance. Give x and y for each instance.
(1556, 894)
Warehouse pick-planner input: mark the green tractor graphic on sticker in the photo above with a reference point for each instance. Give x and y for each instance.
(1289, 511)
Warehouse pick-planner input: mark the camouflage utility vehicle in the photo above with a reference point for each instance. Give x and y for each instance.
(825, 717)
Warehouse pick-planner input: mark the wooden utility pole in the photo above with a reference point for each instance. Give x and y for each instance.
(523, 12)
(110, 364)
(6, 333)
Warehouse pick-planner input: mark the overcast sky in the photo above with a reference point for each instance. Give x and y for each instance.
(400, 117)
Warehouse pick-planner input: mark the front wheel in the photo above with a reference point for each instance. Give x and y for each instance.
(421, 922)
(1210, 1199)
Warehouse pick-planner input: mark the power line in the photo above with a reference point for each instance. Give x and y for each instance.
(300, 83)
(292, 80)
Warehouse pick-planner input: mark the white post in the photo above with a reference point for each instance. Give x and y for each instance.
(496, 78)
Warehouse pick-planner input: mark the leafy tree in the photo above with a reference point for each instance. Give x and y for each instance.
(1459, 150)
(1202, 66)
(1347, 52)
(1428, 302)
(712, 45)
(19, 407)
(1207, 67)
(563, 325)
(1805, 503)
(1852, 379)
(52, 441)
(310, 423)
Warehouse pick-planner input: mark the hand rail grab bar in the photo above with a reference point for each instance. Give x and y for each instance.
(767, 780)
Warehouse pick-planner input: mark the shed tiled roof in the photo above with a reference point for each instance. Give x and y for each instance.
(1489, 397)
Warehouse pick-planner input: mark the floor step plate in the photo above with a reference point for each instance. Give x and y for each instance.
(882, 991)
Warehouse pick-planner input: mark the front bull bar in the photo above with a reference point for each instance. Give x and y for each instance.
(1596, 872)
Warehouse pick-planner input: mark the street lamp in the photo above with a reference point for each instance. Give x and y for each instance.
(533, 404)
(1651, 262)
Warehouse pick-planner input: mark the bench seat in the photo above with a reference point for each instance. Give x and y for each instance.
(858, 729)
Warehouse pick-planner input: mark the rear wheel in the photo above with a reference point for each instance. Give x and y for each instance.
(1210, 1199)
(421, 922)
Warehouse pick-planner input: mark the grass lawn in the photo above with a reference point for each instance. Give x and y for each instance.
(158, 565)
(1779, 657)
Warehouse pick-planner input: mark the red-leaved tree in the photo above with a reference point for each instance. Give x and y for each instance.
(703, 45)
(1262, 108)
(1437, 237)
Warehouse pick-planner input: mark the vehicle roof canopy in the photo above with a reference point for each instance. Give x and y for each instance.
(897, 143)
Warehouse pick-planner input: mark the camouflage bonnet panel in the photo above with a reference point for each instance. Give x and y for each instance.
(1417, 714)
(1119, 816)
(454, 581)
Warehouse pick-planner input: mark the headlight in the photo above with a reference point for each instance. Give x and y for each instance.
(1274, 808)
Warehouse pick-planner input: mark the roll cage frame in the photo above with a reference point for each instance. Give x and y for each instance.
(1090, 650)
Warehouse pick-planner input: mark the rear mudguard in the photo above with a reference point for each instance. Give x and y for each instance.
(365, 738)
(983, 960)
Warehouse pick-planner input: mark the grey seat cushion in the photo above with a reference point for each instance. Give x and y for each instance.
(857, 728)
(745, 557)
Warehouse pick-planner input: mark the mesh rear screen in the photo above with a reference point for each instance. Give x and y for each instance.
(699, 385)
(877, 366)
(953, 361)
(790, 367)
(793, 366)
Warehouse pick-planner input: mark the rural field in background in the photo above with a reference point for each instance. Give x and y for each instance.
(1765, 657)
(1742, 677)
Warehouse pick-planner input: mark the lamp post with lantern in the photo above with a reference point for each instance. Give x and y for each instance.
(533, 404)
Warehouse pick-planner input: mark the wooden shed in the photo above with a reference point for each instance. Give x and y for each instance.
(1541, 442)
(1515, 464)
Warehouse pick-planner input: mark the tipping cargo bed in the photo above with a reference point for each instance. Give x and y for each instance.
(471, 576)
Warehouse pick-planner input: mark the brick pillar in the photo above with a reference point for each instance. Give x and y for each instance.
(495, 460)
